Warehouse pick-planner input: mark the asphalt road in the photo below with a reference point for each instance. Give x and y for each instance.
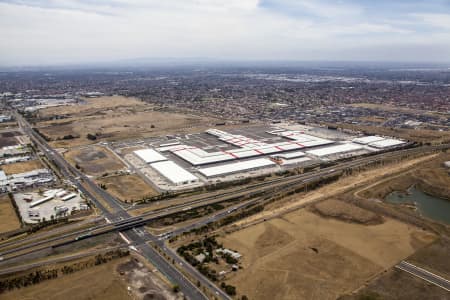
(424, 274)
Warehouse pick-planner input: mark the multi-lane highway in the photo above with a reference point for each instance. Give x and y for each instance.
(424, 274)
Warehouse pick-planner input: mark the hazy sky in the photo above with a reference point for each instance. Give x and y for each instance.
(37, 32)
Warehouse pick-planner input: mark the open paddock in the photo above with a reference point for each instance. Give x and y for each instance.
(22, 167)
(313, 257)
(8, 217)
(128, 188)
(114, 118)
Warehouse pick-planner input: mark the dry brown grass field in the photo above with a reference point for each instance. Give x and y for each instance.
(99, 282)
(22, 167)
(304, 256)
(391, 286)
(119, 279)
(8, 216)
(115, 118)
(129, 188)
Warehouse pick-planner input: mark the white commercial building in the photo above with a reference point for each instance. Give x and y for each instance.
(338, 149)
(236, 167)
(386, 143)
(150, 156)
(174, 173)
(378, 141)
(42, 200)
(294, 161)
(365, 140)
(289, 155)
(3, 181)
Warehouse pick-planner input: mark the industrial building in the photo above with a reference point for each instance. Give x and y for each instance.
(3, 182)
(172, 162)
(365, 140)
(378, 142)
(337, 149)
(289, 155)
(16, 159)
(386, 143)
(150, 155)
(237, 167)
(15, 150)
(5, 118)
(31, 178)
(34, 206)
(248, 147)
(174, 173)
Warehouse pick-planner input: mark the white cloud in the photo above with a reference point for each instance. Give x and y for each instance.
(441, 21)
(61, 31)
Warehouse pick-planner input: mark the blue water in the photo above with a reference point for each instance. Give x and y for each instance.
(431, 207)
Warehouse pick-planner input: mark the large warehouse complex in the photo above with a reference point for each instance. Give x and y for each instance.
(217, 155)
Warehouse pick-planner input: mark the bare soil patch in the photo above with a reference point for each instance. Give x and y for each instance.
(22, 167)
(128, 188)
(8, 141)
(143, 283)
(346, 212)
(9, 134)
(8, 217)
(304, 256)
(94, 160)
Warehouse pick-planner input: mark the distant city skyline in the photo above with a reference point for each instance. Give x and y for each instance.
(55, 32)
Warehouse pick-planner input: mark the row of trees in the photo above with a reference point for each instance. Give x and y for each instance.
(38, 276)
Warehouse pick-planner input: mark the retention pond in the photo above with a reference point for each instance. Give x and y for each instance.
(431, 207)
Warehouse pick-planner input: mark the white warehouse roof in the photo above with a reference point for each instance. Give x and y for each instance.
(368, 139)
(335, 149)
(236, 167)
(173, 172)
(247, 147)
(386, 143)
(2, 175)
(295, 160)
(150, 155)
(290, 155)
